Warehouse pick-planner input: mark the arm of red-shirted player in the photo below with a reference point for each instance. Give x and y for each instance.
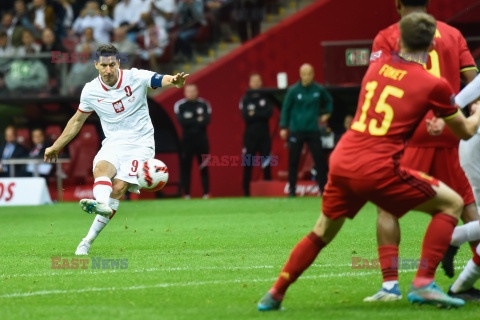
(442, 101)
(72, 128)
(465, 128)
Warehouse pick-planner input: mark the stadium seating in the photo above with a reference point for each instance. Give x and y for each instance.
(82, 151)
(23, 137)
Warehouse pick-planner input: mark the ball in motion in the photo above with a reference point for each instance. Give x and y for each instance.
(153, 175)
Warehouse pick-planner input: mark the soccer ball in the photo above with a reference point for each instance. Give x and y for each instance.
(153, 175)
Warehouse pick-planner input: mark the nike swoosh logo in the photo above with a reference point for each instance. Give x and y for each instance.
(101, 221)
(132, 175)
(99, 100)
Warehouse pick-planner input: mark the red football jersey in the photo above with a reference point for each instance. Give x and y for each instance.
(449, 58)
(394, 98)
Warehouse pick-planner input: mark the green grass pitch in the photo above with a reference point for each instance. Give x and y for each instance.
(199, 259)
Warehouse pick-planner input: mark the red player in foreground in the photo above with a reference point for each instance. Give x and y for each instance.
(449, 58)
(394, 98)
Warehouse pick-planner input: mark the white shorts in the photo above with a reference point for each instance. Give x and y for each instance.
(127, 159)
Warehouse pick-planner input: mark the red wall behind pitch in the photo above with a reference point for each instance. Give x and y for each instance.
(283, 48)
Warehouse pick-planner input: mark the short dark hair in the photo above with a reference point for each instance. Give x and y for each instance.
(414, 3)
(106, 50)
(417, 30)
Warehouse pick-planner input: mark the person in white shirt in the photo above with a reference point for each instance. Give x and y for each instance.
(161, 11)
(91, 17)
(155, 40)
(6, 50)
(119, 97)
(127, 13)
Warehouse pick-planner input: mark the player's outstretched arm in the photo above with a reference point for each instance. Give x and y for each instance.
(465, 128)
(73, 127)
(177, 80)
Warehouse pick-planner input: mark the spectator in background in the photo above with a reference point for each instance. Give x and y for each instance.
(13, 33)
(21, 17)
(37, 151)
(42, 15)
(249, 16)
(108, 8)
(155, 42)
(6, 50)
(124, 45)
(162, 12)
(88, 42)
(257, 109)
(190, 19)
(193, 114)
(81, 73)
(306, 104)
(91, 17)
(50, 44)
(222, 11)
(65, 15)
(28, 44)
(10, 149)
(127, 14)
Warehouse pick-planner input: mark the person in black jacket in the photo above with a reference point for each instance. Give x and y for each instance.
(12, 150)
(193, 114)
(256, 110)
(37, 152)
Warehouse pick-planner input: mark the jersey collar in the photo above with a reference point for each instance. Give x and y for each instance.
(117, 85)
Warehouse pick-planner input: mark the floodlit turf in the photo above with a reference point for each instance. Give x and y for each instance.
(198, 259)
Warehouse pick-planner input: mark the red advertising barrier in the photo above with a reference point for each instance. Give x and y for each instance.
(281, 188)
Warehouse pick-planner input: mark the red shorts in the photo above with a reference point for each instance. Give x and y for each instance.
(443, 164)
(397, 193)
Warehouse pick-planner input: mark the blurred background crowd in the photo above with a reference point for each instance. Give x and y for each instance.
(48, 42)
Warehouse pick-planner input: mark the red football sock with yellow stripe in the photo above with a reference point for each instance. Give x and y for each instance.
(301, 257)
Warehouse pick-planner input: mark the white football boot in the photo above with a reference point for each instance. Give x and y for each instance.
(83, 248)
(94, 207)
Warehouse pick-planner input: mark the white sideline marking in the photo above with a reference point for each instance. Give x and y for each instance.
(184, 284)
(90, 272)
(197, 283)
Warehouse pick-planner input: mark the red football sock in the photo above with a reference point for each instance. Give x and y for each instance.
(113, 213)
(435, 244)
(388, 256)
(301, 257)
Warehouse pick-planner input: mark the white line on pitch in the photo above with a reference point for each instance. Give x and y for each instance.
(95, 272)
(89, 272)
(181, 284)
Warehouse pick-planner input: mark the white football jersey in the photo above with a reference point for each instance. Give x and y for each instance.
(122, 109)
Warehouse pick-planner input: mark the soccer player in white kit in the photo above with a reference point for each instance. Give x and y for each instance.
(119, 97)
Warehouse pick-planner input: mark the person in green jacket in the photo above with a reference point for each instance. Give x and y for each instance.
(307, 104)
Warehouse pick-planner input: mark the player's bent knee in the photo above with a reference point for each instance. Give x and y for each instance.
(326, 229)
(455, 205)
